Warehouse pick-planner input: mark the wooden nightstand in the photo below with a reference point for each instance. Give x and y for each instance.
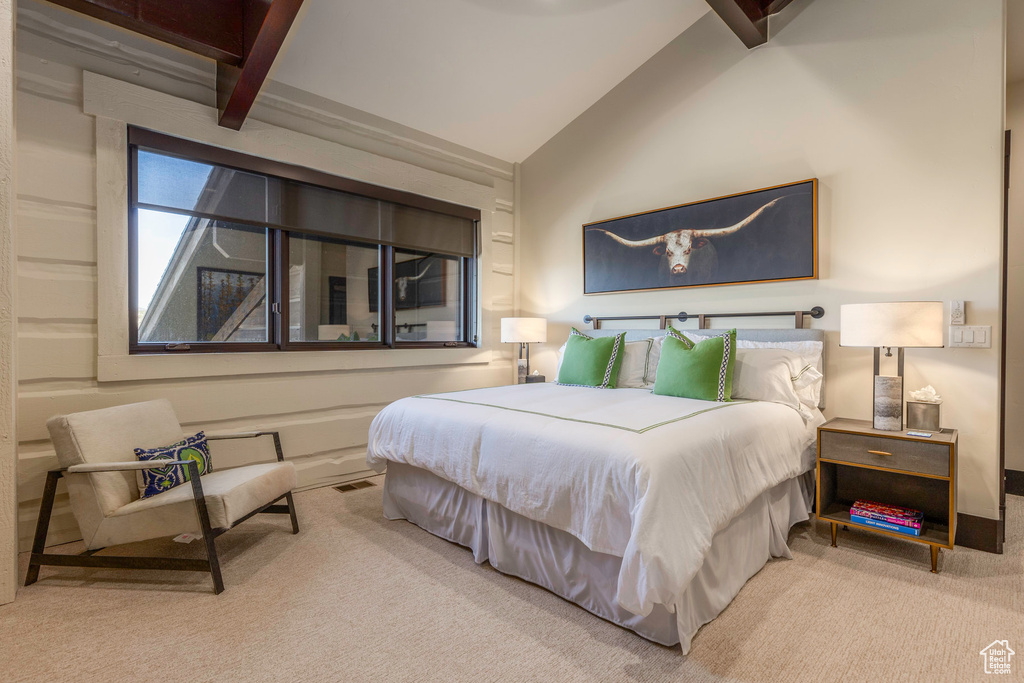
(856, 461)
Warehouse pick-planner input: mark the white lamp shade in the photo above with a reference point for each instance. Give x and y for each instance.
(524, 330)
(905, 324)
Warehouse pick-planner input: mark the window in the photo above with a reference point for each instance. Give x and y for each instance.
(328, 293)
(235, 253)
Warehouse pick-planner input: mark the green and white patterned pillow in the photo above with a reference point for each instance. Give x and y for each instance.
(702, 371)
(591, 361)
(160, 479)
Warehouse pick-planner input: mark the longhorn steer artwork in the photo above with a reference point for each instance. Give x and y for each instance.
(402, 283)
(678, 246)
(773, 239)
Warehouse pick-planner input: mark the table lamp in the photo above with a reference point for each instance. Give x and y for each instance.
(524, 331)
(900, 325)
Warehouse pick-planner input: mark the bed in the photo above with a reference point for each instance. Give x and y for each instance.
(649, 511)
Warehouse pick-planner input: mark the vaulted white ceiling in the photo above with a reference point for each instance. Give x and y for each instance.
(498, 76)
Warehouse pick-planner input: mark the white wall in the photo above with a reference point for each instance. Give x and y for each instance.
(1015, 282)
(897, 107)
(322, 402)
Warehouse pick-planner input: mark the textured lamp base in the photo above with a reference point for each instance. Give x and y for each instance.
(888, 411)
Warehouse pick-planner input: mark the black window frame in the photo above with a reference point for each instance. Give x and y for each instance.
(277, 256)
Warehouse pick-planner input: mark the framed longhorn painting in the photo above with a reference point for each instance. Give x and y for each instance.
(765, 235)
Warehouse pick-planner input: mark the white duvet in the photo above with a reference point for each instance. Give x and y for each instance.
(647, 478)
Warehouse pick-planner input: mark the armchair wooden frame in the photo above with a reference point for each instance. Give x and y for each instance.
(89, 559)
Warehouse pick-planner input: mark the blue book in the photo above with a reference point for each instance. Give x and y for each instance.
(878, 524)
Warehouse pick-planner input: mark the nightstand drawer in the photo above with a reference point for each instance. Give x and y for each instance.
(895, 454)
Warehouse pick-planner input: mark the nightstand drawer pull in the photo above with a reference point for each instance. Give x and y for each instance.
(879, 453)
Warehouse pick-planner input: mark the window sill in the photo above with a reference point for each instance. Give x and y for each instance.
(187, 365)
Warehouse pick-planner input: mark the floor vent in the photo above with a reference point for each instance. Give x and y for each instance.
(354, 486)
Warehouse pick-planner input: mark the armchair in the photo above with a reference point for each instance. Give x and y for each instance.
(96, 452)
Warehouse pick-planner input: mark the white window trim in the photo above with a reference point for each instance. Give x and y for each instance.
(116, 105)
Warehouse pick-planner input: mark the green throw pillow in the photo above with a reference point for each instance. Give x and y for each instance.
(673, 332)
(592, 361)
(702, 371)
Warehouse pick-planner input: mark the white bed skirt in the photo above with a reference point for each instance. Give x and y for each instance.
(559, 562)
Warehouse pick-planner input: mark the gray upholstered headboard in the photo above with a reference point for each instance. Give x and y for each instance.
(764, 335)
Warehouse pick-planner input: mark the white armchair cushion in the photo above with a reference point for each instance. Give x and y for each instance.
(111, 435)
(230, 495)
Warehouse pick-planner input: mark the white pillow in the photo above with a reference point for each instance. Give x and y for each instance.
(639, 363)
(807, 380)
(652, 364)
(767, 375)
(635, 367)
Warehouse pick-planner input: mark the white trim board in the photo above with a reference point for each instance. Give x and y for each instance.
(135, 105)
(8, 316)
(117, 104)
(186, 365)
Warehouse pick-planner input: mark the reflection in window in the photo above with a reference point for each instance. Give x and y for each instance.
(428, 298)
(200, 280)
(329, 297)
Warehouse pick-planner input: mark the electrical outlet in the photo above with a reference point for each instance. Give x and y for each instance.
(957, 314)
(970, 336)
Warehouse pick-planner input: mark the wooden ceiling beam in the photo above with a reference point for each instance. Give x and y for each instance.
(266, 25)
(242, 36)
(748, 19)
(210, 29)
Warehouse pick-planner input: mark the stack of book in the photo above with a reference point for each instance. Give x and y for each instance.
(889, 517)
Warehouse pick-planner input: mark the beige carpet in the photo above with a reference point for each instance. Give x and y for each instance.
(357, 598)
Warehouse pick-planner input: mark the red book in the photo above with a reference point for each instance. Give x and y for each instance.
(901, 521)
(890, 513)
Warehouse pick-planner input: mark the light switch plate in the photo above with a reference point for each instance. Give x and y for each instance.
(970, 336)
(957, 313)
